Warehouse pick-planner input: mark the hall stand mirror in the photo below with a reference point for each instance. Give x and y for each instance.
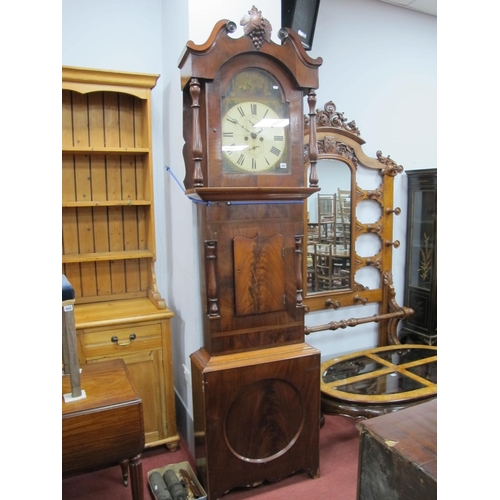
(348, 245)
(329, 230)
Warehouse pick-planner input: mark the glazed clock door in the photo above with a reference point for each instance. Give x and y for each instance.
(255, 125)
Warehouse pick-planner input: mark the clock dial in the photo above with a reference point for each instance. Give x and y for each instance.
(254, 138)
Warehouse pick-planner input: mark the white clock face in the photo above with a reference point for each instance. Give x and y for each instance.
(254, 138)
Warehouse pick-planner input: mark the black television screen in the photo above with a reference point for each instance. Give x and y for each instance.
(300, 15)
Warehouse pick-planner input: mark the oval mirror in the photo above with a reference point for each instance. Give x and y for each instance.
(328, 238)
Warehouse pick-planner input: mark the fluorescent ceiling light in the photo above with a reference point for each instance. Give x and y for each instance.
(272, 122)
(234, 147)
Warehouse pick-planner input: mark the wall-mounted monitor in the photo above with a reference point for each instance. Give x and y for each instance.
(300, 15)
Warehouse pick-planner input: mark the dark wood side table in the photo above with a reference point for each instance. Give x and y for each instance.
(107, 426)
(398, 455)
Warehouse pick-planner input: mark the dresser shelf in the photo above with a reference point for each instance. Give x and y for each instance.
(105, 256)
(107, 184)
(106, 203)
(104, 151)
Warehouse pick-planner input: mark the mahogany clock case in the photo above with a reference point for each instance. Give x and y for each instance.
(255, 382)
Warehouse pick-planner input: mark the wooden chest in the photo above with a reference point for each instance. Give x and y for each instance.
(398, 455)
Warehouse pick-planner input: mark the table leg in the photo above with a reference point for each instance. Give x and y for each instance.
(124, 466)
(136, 480)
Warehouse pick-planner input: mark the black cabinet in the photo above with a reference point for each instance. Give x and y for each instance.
(421, 274)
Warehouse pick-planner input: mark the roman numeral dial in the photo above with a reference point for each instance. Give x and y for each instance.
(254, 138)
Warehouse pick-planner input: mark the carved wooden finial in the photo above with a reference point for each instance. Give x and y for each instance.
(256, 27)
(391, 167)
(329, 116)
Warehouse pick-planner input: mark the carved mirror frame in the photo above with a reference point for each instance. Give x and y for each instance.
(339, 139)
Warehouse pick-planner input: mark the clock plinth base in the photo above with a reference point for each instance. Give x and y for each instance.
(257, 416)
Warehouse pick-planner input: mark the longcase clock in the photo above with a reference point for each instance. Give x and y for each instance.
(255, 381)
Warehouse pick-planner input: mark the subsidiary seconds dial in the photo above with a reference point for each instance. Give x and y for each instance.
(254, 138)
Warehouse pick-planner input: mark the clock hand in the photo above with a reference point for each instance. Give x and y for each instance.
(252, 134)
(255, 134)
(243, 127)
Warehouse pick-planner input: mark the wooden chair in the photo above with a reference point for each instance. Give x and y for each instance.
(313, 232)
(327, 215)
(323, 272)
(331, 272)
(311, 269)
(341, 272)
(344, 209)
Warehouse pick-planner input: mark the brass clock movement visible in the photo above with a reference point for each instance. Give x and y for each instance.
(255, 382)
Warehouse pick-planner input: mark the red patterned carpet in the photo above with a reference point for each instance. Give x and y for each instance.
(339, 442)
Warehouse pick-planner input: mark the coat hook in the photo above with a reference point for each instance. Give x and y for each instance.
(395, 211)
(330, 303)
(363, 300)
(395, 243)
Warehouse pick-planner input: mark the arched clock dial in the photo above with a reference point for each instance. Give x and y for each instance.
(254, 138)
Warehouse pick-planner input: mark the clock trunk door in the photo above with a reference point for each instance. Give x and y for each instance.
(251, 283)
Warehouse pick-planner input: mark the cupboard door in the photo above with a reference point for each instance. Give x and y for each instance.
(421, 248)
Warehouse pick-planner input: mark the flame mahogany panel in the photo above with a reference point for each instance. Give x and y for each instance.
(259, 274)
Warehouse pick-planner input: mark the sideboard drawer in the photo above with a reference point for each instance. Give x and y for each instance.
(123, 340)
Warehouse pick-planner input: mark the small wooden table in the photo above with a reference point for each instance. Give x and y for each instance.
(107, 426)
(398, 455)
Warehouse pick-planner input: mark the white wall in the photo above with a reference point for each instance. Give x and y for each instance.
(379, 69)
